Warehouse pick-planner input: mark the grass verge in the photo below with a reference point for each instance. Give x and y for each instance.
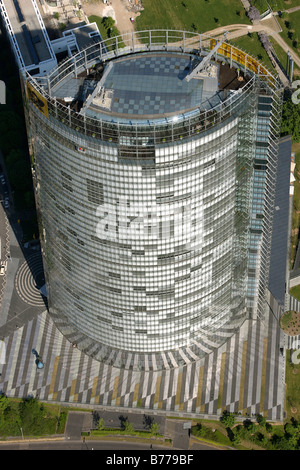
(190, 15)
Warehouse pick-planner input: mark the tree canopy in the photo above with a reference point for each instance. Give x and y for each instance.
(291, 120)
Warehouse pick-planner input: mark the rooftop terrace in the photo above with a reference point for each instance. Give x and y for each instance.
(148, 86)
(153, 87)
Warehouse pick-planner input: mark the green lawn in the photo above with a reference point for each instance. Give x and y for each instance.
(29, 417)
(295, 292)
(281, 54)
(104, 32)
(98, 21)
(294, 20)
(190, 15)
(276, 5)
(261, 5)
(282, 5)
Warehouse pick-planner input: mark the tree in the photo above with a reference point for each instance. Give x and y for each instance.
(269, 427)
(261, 439)
(249, 425)
(281, 443)
(4, 403)
(261, 420)
(235, 437)
(108, 22)
(154, 429)
(291, 434)
(113, 32)
(101, 424)
(291, 120)
(198, 430)
(34, 417)
(228, 419)
(128, 427)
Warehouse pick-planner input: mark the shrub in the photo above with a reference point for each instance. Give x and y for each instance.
(228, 419)
(261, 420)
(201, 431)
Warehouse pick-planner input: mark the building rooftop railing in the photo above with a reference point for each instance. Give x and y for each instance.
(147, 133)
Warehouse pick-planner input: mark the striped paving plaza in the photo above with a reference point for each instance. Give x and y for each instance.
(245, 375)
(25, 281)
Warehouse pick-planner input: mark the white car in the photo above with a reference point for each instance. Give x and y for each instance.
(3, 266)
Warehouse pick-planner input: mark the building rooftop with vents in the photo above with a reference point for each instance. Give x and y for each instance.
(28, 35)
(147, 87)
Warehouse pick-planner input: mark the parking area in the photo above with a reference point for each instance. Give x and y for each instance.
(4, 249)
(4, 190)
(141, 421)
(4, 237)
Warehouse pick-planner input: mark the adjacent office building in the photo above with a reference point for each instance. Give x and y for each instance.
(154, 164)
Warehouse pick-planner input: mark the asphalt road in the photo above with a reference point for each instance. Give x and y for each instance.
(103, 445)
(79, 445)
(3, 248)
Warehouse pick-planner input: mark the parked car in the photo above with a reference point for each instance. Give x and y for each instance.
(80, 149)
(6, 203)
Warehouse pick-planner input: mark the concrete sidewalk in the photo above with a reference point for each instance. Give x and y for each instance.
(78, 422)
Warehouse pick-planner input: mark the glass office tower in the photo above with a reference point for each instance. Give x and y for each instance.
(154, 167)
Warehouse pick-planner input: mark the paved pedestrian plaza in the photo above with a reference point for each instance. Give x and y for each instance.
(245, 375)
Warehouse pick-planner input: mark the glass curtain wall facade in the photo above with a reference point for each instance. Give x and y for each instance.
(264, 171)
(155, 235)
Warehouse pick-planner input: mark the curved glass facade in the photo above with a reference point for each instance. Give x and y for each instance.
(145, 212)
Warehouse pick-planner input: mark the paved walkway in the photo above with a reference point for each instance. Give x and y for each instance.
(78, 422)
(286, 48)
